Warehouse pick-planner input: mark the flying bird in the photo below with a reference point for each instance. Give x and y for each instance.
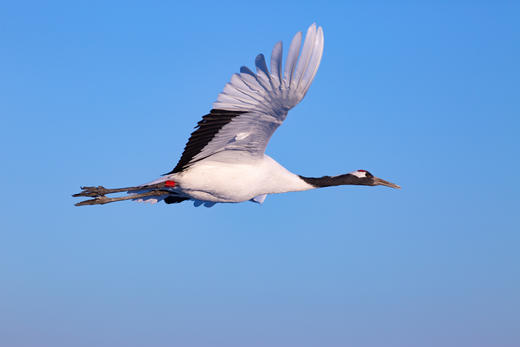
(224, 159)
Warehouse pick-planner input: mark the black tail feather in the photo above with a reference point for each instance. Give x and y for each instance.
(174, 199)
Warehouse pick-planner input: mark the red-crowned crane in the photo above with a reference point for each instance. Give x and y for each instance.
(224, 159)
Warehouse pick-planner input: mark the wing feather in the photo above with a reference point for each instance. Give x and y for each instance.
(260, 64)
(314, 62)
(292, 57)
(303, 61)
(276, 64)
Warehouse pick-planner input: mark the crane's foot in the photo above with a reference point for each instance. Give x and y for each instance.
(94, 191)
(100, 200)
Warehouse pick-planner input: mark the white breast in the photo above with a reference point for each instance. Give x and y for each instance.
(218, 180)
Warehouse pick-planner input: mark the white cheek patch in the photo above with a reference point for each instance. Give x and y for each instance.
(359, 174)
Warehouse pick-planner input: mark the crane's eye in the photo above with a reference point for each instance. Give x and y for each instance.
(367, 174)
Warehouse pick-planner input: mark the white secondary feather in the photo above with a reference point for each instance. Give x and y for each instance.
(265, 97)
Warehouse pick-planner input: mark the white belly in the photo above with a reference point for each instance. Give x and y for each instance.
(218, 181)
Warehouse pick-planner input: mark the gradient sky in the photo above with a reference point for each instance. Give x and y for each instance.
(424, 95)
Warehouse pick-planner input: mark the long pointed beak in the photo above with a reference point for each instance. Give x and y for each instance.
(381, 182)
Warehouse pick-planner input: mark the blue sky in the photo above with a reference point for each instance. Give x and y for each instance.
(425, 95)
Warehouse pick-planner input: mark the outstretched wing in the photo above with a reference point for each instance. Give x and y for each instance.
(253, 105)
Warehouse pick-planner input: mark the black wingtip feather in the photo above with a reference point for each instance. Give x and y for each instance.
(205, 131)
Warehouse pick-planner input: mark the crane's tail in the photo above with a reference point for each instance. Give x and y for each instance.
(145, 193)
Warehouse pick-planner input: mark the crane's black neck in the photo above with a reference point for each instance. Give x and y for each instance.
(346, 179)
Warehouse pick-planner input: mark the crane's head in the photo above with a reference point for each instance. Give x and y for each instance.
(365, 178)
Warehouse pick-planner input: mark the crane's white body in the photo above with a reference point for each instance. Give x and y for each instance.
(216, 180)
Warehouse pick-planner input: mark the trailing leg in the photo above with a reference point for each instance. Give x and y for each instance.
(101, 200)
